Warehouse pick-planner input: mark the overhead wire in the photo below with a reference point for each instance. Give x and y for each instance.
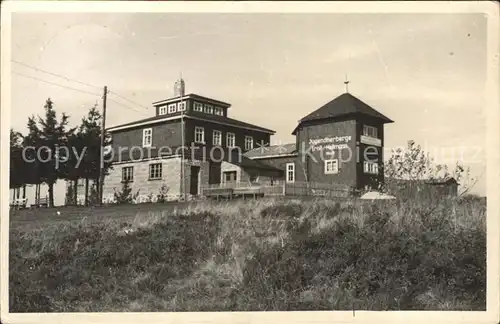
(56, 75)
(77, 81)
(55, 84)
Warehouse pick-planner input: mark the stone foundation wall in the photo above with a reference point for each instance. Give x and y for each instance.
(148, 189)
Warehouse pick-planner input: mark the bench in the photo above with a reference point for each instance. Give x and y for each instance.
(42, 202)
(19, 203)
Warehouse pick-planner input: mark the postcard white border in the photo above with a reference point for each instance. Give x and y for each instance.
(490, 9)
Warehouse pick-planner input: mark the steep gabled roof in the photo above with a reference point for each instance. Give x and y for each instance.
(343, 105)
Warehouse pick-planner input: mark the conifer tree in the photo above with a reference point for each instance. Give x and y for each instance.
(89, 134)
(52, 134)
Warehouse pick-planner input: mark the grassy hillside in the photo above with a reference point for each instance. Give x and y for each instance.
(257, 255)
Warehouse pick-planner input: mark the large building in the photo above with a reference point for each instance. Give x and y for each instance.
(339, 143)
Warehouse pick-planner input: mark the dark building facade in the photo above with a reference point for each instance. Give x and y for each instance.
(342, 142)
(191, 142)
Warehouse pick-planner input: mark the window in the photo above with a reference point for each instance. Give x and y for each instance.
(155, 171)
(181, 106)
(199, 135)
(198, 106)
(218, 111)
(209, 109)
(127, 174)
(230, 140)
(370, 167)
(163, 110)
(229, 176)
(217, 137)
(254, 178)
(290, 172)
(331, 166)
(171, 108)
(370, 131)
(147, 137)
(248, 142)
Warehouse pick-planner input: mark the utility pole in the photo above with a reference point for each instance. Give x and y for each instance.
(180, 87)
(103, 134)
(183, 171)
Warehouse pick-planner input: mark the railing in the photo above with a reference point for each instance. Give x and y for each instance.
(317, 189)
(278, 188)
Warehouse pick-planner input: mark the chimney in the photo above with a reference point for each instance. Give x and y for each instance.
(179, 88)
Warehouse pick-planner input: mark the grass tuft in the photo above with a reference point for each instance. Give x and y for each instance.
(257, 255)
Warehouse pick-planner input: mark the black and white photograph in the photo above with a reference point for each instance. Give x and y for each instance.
(243, 157)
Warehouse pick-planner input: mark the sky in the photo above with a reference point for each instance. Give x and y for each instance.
(427, 72)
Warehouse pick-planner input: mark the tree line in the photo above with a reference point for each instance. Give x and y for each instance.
(50, 150)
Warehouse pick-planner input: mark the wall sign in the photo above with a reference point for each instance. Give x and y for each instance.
(331, 143)
(370, 140)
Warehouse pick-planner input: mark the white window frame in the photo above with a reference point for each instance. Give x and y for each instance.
(217, 134)
(370, 131)
(228, 135)
(130, 173)
(147, 137)
(198, 106)
(290, 170)
(172, 108)
(163, 110)
(151, 168)
(248, 140)
(199, 131)
(256, 180)
(181, 106)
(209, 109)
(370, 167)
(218, 111)
(334, 163)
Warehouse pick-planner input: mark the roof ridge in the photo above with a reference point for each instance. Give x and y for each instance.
(342, 106)
(211, 118)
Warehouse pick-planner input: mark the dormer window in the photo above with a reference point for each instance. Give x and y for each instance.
(209, 109)
(198, 107)
(163, 110)
(370, 131)
(172, 108)
(218, 111)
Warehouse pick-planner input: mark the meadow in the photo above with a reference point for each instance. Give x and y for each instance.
(255, 255)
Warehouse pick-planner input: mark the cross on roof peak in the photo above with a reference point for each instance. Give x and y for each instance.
(346, 82)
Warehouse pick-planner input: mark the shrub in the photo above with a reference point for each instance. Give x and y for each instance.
(162, 196)
(125, 196)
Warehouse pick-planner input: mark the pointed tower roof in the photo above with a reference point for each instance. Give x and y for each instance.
(344, 105)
